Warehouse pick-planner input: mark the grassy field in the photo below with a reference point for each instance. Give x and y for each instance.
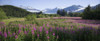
(47, 29)
(13, 19)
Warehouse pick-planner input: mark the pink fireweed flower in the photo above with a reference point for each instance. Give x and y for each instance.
(20, 25)
(5, 34)
(19, 31)
(46, 32)
(2, 23)
(24, 27)
(0, 33)
(13, 34)
(47, 25)
(38, 35)
(9, 33)
(43, 25)
(34, 28)
(51, 29)
(45, 28)
(61, 28)
(53, 34)
(32, 32)
(25, 32)
(48, 37)
(40, 29)
(65, 28)
(57, 28)
(16, 36)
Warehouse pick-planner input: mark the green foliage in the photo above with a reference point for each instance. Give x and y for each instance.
(58, 12)
(14, 11)
(74, 14)
(40, 12)
(62, 12)
(2, 14)
(90, 13)
(30, 17)
(86, 13)
(46, 15)
(40, 16)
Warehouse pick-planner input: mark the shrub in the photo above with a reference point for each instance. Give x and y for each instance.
(2, 14)
(30, 17)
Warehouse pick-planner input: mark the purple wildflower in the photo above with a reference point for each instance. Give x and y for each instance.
(5, 34)
(34, 28)
(47, 25)
(45, 28)
(0, 33)
(13, 34)
(9, 33)
(38, 35)
(46, 32)
(32, 32)
(50, 29)
(25, 32)
(16, 36)
(53, 34)
(40, 29)
(57, 28)
(44, 25)
(61, 28)
(2, 23)
(24, 26)
(48, 37)
(19, 31)
(19, 25)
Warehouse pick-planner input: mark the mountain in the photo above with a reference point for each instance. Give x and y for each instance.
(51, 11)
(97, 6)
(14, 11)
(92, 7)
(30, 9)
(73, 8)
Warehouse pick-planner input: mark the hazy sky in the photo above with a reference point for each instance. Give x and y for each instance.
(43, 4)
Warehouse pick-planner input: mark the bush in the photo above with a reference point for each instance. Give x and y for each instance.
(30, 17)
(2, 14)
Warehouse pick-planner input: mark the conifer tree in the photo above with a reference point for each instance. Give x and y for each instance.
(86, 13)
(2, 14)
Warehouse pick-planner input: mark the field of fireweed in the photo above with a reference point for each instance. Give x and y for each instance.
(48, 30)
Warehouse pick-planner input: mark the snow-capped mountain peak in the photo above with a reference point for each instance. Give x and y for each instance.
(73, 8)
(30, 9)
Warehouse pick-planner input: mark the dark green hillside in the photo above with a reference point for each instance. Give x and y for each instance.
(14, 11)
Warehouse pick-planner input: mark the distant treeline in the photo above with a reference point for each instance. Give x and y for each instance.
(92, 13)
(69, 14)
(14, 11)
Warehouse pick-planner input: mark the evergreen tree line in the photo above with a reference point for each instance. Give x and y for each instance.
(62, 12)
(13, 11)
(65, 13)
(91, 13)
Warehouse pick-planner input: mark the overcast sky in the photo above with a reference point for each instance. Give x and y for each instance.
(43, 4)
